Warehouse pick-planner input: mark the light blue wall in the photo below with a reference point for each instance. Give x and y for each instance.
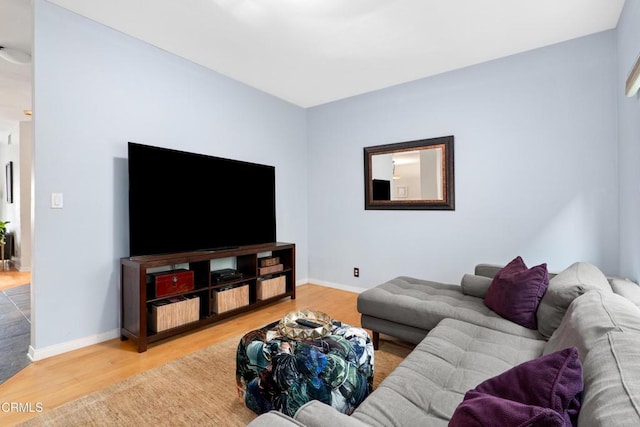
(628, 32)
(535, 169)
(536, 163)
(95, 89)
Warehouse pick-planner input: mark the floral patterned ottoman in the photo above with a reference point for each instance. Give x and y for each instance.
(276, 372)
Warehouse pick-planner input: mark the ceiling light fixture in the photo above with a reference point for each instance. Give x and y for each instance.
(15, 56)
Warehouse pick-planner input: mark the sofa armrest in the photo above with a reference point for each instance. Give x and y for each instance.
(475, 286)
(318, 414)
(274, 419)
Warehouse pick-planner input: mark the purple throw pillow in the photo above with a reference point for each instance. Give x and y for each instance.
(516, 290)
(526, 394)
(488, 411)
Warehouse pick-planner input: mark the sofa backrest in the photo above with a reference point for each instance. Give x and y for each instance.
(487, 270)
(591, 316)
(620, 286)
(611, 374)
(566, 286)
(490, 270)
(605, 327)
(625, 287)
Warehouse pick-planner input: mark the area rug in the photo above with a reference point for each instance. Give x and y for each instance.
(198, 389)
(15, 330)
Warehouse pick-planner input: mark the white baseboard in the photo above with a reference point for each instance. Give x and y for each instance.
(36, 354)
(17, 264)
(336, 285)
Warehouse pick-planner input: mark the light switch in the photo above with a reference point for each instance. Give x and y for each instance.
(56, 201)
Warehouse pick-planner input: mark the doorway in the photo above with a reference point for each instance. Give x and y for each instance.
(16, 147)
(15, 276)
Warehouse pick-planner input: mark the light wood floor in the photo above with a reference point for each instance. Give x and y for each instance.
(11, 278)
(59, 379)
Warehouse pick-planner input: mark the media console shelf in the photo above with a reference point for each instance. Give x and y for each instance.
(140, 307)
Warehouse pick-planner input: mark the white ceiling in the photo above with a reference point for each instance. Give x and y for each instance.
(310, 52)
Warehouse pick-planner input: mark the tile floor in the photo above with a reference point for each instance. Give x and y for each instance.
(15, 330)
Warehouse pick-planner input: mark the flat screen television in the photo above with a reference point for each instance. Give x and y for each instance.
(381, 189)
(183, 202)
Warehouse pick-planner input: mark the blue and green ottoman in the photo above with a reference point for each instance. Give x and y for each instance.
(274, 372)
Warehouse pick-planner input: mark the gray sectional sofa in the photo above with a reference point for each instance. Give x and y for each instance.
(461, 343)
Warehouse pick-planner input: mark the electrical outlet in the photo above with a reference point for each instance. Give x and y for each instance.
(356, 272)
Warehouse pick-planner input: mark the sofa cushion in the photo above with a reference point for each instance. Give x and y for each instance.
(628, 289)
(591, 316)
(431, 381)
(476, 286)
(274, 419)
(318, 414)
(611, 387)
(566, 286)
(516, 290)
(526, 393)
(422, 304)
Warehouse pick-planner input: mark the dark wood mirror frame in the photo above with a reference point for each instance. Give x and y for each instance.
(446, 202)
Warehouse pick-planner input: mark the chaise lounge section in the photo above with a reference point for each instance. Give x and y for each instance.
(408, 308)
(465, 345)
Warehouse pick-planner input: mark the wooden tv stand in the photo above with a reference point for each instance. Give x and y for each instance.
(138, 301)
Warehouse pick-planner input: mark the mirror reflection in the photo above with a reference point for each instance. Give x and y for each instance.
(410, 175)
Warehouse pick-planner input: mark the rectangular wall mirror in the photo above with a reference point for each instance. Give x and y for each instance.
(410, 175)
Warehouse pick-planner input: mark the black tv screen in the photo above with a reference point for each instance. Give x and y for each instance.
(182, 202)
(381, 189)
